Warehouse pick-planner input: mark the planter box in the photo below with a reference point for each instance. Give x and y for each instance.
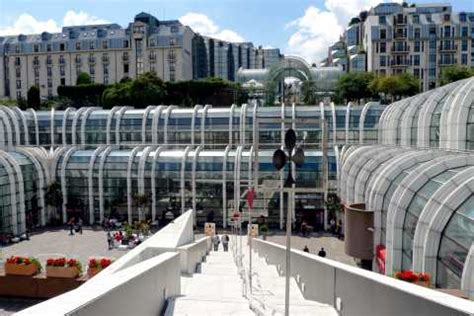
(62, 272)
(20, 269)
(93, 271)
(424, 283)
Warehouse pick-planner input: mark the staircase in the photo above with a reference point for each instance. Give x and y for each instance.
(216, 290)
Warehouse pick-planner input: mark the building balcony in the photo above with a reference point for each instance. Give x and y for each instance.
(92, 60)
(105, 60)
(401, 64)
(125, 58)
(449, 62)
(400, 50)
(451, 48)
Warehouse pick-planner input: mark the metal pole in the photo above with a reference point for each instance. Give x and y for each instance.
(288, 259)
(250, 249)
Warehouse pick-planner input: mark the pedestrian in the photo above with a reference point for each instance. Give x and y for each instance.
(332, 225)
(71, 226)
(79, 225)
(216, 241)
(339, 229)
(225, 242)
(110, 240)
(322, 253)
(304, 228)
(306, 249)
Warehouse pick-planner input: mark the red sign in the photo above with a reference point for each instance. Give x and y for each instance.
(250, 197)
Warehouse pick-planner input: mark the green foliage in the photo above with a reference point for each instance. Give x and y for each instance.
(396, 86)
(83, 94)
(355, 86)
(455, 73)
(83, 78)
(33, 95)
(333, 204)
(146, 89)
(263, 229)
(308, 90)
(37, 263)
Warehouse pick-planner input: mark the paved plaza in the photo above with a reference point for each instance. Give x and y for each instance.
(59, 243)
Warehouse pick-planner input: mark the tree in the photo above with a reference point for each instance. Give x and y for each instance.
(308, 89)
(355, 86)
(141, 200)
(83, 78)
(33, 96)
(397, 86)
(455, 73)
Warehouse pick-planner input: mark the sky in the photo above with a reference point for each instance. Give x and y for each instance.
(299, 27)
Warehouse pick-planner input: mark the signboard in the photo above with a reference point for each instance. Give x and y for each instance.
(209, 229)
(253, 231)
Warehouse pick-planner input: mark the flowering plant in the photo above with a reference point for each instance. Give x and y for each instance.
(24, 261)
(424, 277)
(407, 275)
(99, 263)
(63, 262)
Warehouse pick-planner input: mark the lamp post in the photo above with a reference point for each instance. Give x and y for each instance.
(280, 158)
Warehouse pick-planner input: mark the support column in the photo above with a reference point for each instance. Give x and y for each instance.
(183, 169)
(129, 183)
(103, 158)
(224, 187)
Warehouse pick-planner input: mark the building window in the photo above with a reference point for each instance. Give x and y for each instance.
(36, 48)
(447, 31)
(18, 94)
(18, 72)
(105, 44)
(125, 68)
(36, 61)
(383, 34)
(382, 19)
(463, 59)
(464, 45)
(37, 82)
(417, 47)
(152, 68)
(105, 58)
(432, 72)
(447, 17)
(50, 93)
(48, 47)
(78, 45)
(416, 60)
(50, 83)
(106, 70)
(78, 69)
(383, 47)
(36, 71)
(417, 33)
(174, 29)
(63, 81)
(91, 58)
(18, 84)
(462, 17)
(61, 60)
(62, 46)
(92, 79)
(17, 49)
(49, 60)
(383, 61)
(125, 56)
(416, 19)
(106, 79)
(464, 30)
(92, 45)
(62, 70)
(49, 71)
(172, 41)
(92, 70)
(125, 44)
(416, 72)
(152, 56)
(432, 30)
(152, 42)
(17, 61)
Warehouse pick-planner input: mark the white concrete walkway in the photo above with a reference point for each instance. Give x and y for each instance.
(268, 291)
(217, 290)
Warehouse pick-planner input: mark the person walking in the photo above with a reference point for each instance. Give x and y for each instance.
(306, 249)
(322, 253)
(225, 242)
(71, 226)
(216, 241)
(79, 225)
(110, 240)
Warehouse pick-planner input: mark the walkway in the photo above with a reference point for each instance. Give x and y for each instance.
(216, 290)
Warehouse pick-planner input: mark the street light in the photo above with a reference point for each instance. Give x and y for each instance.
(280, 158)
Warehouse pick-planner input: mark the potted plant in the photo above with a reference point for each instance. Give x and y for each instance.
(63, 268)
(407, 276)
(424, 279)
(27, 266)
(97, 264)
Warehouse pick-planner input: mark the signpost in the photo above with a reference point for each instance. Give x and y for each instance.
(295, 155)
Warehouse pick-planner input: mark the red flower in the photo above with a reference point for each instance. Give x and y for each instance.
(50, 262)
(407, 275)
(26, 261)
(425, 277)
(93, 263)
(60, 262)
(105, 262)
(72, 262)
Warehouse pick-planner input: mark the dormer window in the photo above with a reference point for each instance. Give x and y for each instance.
(447, 17)
(174, 29)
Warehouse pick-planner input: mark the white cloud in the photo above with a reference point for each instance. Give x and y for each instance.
(28, 24)
(318, 28)
(202, 24)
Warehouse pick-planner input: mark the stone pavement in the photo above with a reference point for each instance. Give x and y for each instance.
(334, 247)
(59, 243)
